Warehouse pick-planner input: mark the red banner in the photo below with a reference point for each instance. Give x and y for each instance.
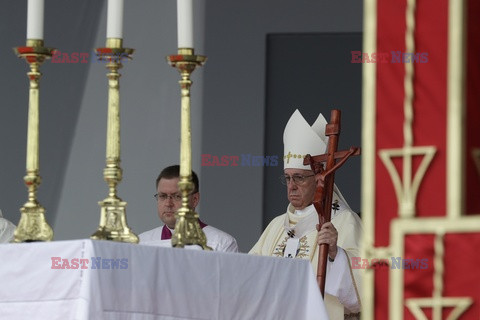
(423, 157)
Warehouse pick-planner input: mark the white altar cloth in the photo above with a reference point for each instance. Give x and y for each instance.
(151, 283)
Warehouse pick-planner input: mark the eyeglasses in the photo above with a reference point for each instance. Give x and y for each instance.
(296, 178)
(176, 197)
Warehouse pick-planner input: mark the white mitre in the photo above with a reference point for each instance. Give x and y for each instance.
(300, 139)
(319, 127)
(6, 229)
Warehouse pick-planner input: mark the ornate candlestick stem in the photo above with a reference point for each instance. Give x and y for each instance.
(187, 228)
(113, 220)
(32, 225)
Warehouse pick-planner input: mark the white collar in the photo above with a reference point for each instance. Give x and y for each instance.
(304, 211)
(303, 224)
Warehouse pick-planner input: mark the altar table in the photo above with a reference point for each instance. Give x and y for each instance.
(49, 280)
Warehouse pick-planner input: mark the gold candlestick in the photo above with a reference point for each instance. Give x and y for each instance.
(187, 228)
(32, 225)
(113, 220)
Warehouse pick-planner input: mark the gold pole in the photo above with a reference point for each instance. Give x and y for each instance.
(32, 225)
(113, 221)
(187, 228)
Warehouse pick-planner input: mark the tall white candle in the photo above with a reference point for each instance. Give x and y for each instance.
(185, 23)
(35, 19)
(115, 19)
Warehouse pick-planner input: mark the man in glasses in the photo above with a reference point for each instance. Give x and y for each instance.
(294, 234)
(169, 200)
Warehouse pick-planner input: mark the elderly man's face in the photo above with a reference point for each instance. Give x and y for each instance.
(168, 207)
(300, 194)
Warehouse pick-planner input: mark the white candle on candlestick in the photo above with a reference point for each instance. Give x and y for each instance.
(185, 23)
(35, 19)
(115, 19)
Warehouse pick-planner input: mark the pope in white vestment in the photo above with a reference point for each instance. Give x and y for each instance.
(298, 224)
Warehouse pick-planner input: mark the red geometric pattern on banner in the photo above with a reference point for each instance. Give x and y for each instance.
(430, 106)
(419, 283)
(389, 113)
(461, 269)
(460, 276)
(459, 258)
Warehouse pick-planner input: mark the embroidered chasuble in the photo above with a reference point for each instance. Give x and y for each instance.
(343, 283)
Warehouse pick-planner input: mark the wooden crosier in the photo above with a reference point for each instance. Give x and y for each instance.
(325, 182)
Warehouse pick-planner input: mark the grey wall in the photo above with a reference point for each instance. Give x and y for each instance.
(234, 96)
(70, 28)
(312, 72)
(74, 110)
(227, 107)
(150, 119)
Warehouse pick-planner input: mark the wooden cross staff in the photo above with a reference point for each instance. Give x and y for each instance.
(325, 182)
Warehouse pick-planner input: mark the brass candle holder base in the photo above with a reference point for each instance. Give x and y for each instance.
(187, 228)
(113, 225)
(33, 225)
(113, 220)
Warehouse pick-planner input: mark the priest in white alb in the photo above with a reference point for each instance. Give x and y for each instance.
(169, 200)
(294, 234)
